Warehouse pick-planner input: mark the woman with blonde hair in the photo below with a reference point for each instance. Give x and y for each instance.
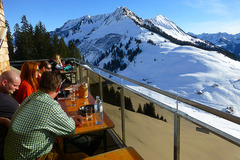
(29, 84)
(56, 62)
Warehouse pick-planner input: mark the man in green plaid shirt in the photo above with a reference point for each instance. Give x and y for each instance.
(38, 121)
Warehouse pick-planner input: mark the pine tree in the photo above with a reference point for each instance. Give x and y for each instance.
(25, 45)
(42, 44)
(139, 109)
(157, 116)
(83, 58)
(149, 110)
(73, 50)
(25, 24)
(106, 95)
(161, 118)
(118, 99)
(10, 42)
(17, 40)
(55, 44)
(128, 104)
(112, 95)
(48, 45)
(63, 49)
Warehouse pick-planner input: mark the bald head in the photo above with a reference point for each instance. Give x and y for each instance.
(9, 81)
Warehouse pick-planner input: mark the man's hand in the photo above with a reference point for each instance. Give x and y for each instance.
(5, 121)
(78, 119)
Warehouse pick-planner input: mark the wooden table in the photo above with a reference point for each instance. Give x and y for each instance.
(87, 126)
(128, 153)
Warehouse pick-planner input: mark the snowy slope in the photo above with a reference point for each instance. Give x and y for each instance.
(182, 70)
(185, 71)
(170, 28)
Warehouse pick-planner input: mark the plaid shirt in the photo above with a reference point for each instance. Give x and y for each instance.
(34, 127)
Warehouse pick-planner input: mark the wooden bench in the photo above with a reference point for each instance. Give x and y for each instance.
(128, 153)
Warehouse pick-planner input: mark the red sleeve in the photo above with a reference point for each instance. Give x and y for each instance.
(25, 90)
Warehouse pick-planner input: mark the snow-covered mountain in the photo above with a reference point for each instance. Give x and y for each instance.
(96, 34)
(157, 52)
(230, 42)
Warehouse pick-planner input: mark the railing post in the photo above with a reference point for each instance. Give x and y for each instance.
(72, 75)
(176, 134)
(78, 78)
(123, 112)
(87, 75)
(100, 86)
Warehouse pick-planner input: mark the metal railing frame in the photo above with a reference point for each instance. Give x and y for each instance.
(176, 112)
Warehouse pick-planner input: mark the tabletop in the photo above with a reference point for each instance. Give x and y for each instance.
(127, 153)
(87, 126)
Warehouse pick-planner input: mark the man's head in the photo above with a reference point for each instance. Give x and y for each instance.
(9, 82)
(50, 82)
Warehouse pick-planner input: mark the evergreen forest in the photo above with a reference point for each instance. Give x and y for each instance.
(30, 43)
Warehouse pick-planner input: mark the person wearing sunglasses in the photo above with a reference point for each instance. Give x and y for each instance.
(43, 66)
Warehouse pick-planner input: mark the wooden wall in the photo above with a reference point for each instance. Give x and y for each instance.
(4, 57)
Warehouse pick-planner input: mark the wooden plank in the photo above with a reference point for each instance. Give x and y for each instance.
(128, 153)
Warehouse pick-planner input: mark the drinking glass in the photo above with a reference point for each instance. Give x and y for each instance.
(73, 97)
(89, 113)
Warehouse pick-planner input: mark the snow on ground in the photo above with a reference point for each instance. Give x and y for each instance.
(184, 71)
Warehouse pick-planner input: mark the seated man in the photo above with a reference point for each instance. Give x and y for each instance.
(9, 82)
(38, 121)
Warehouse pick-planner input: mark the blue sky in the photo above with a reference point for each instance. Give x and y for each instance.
(197, 16)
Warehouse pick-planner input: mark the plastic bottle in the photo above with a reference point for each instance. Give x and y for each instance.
(98, 108)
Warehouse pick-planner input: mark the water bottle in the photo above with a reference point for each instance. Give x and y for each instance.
(98, 108)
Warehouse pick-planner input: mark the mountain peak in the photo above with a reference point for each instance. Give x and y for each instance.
(163, 22)
(159, 16)
(121, 12)
(118, 13)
